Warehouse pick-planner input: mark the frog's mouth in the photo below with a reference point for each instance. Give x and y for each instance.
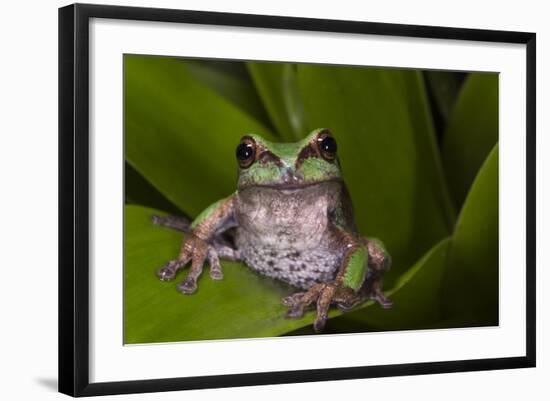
(289, 187)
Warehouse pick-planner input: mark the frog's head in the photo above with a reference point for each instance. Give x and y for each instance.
(287, 165)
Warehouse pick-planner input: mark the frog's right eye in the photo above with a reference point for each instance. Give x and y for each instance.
(246, 152)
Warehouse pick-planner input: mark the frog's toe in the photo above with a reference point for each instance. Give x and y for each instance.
(378, 296)
(214, 262)
(166, 274)
(188, 286)
(346, 299)
(293, 299)
(320, 322)
(168, 271)
(295, 311)
(296, 305)
(387, 304)
(216, 274)
(326, 297)
(344, 306)
(384, 302)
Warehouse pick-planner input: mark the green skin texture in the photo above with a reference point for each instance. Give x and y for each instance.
(207, 213)
(312, 170)
(356, 269)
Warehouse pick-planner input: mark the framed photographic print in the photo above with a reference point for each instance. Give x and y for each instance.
(279, 199)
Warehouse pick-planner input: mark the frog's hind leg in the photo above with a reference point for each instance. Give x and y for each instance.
(175, 222)
(222, 242)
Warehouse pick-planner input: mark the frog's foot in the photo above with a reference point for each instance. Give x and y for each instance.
(376, 294)
(347, 300)
(324, 294)
(293, 299)
(196, 251)
(295, 305)
(298, 302)
(189, 285)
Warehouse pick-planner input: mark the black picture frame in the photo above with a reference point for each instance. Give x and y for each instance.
(74, 198)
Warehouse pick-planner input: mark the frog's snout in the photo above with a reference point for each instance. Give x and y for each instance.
(291, 176)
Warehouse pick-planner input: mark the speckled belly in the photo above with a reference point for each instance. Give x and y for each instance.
(299, 268)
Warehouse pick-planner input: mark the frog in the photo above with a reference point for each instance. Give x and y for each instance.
(291, 218)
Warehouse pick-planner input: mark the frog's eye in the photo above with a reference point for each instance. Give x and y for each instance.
(327, 146)
(246, 152)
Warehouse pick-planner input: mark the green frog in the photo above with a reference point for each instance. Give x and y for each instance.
(291, 219)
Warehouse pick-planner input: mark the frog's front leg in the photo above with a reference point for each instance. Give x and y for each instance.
(358, 278)
(198, 246)
(379, 264)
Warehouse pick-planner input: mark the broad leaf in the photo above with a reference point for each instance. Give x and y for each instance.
(388, 153)
(471, 133)
(277, 86)
(471, 290)
(181, 135)
(138, 191)
(444, 87)
(231, 80)
(243, 304)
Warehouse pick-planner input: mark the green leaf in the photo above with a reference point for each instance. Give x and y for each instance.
(467, 293)
(231, 80)
(277, 86)
(385, 138)
(243, 304)
(471, 133)
(181, 135)
(444, 86)
(471, 290)
(138, 191)
(182, 122)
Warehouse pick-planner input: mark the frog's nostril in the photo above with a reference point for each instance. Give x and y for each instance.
(291, 176)
(287, 177)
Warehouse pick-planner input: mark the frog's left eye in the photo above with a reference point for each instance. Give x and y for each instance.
(327, 146)
(246, 152)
